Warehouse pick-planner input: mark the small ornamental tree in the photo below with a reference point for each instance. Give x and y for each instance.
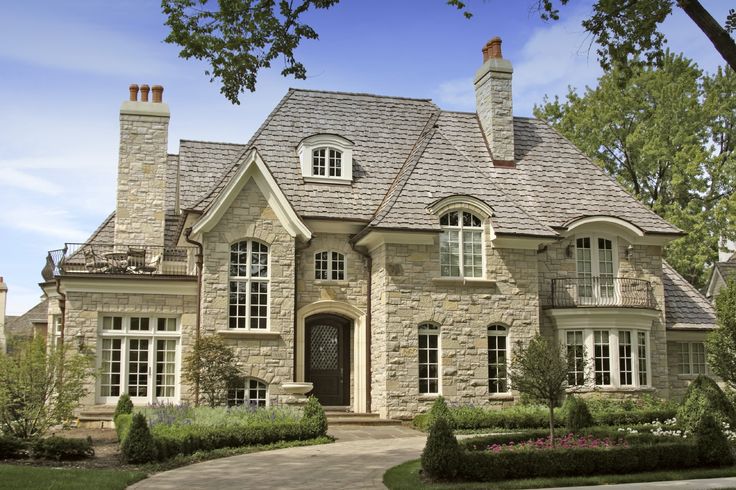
(539, 371)
(211, 366)
(40, 387)
(139, 447)
(441, 455)
(125, 405)
(721, 345)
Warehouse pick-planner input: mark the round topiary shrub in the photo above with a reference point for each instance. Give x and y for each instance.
(314, 417)
(139, 447)
(704, 396)
(577, 415)
(125, 405)
(440, 410)
(711, 443)
(441, 455)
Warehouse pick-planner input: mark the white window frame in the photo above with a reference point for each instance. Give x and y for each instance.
(460, 229)
(234, 400)
(330, 271)
(498, 331)
(246, 281)
(429, 330)
(595, 268)
(152, 335)
(688, 348)
(334, 142)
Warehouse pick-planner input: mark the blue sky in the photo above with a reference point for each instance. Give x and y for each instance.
(65, 68)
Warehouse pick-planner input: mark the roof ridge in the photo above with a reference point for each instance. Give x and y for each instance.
(210, 142)
(362, 94)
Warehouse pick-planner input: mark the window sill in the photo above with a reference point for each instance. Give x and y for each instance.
(330, 282)
(429, 397)
(249, 334)
(327, 180)
(464, 281)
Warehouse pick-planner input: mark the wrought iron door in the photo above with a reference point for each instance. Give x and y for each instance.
(327, 359)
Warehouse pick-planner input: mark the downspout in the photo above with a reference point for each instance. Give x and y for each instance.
(369, 266)
(199, 264)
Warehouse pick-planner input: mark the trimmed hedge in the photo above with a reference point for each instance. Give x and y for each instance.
(122, 425)
(704, 397)
(11, 447)
(63, 449)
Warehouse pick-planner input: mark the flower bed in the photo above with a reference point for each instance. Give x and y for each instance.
(568, 441)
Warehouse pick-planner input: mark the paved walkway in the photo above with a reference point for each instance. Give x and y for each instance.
(358, 459)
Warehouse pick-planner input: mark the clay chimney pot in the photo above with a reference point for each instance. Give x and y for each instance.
(133, 92)
(144, 92)
(493, 48)
(158, 92)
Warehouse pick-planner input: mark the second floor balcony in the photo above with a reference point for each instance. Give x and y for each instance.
(117, 259)
(602, 292)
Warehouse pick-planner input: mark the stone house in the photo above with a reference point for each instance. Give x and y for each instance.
(381, 248)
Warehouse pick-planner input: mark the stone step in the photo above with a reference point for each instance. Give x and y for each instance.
(331, 413)
(365, 420)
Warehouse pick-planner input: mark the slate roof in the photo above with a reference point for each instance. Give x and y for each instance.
(22, 326)
(726, 269)
(685, 307)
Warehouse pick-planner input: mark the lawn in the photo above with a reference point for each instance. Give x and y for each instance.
(41, 478)
(406, 477)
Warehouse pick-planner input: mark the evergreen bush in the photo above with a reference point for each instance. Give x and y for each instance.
(61, 448)
(440, 410)
(314, 417)
(703, 397)
(125, 405)
(138, 446)
(711, 443)
(11, 447)
(441, 455)
(577, 415)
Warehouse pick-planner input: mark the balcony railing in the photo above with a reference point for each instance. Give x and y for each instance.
(81, 258)
(621, 292)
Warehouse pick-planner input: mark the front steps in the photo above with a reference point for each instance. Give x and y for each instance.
(96, 417)
(343, 417)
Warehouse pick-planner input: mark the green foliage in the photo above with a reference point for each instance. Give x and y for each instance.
(577, 415)
(211, 365)
(668, 135)
(314, 417)
(441, 455)
(63, 449)
(440, 410)
(138, 447)
(11, 447)
(705, 397)
(122, 425)
(39, 389)
(721, 345)
(125, 405)
(712, 444)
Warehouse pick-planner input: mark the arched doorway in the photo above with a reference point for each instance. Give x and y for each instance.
(327, 358)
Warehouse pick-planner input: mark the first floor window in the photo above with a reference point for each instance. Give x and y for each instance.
(642, 354)
(602, 358)
(497, 357)
(329, 266)
(625, 358)
(247, 391)
(249, 277)
(692, 357)
(576, 357)
(429, 358)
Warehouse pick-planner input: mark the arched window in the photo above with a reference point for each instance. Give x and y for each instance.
(429, 359)
(249, 275)
(326, 162)
(247, 391)
(595, 261)
(461, 245)
(329, 266)
(497, 359)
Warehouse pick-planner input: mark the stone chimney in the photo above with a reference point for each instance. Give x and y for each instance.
(144, 135)
(3, 301)
(493, 103)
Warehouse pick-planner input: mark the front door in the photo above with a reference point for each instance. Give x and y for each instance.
(328, 359)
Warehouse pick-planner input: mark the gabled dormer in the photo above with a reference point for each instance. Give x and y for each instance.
(326, 158)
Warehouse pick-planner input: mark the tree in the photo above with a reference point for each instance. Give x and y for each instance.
(721, 345)
(212, 366)
(539, 371)
(668, 135)
(238, 38)
(33, 395)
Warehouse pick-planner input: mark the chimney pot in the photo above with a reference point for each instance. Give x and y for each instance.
(133, 92)
(144, 92)
(493, 49)
(158, 92)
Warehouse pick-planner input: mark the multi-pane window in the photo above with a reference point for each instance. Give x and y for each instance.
(461, 245)
(594, 258)
(329, 265)
(692, 357)
(602, 357)
(249, 276)
(625, 358)
(429, 358)
(326, 162)
(576, 357)
(641, 341)
(247, 391)
(497, 358)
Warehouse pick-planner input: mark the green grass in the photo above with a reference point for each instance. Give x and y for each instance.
(41, 478)
(406, 477)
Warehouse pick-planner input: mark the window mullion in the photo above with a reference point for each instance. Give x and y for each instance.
(249, 258)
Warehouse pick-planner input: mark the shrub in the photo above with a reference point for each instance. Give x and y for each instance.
(125, 405)
(711, 442)
(441, 455)
(633, 417)
(11, 447)
(61, 448)
(577, 415)
(314, 417)
(704, 396)
(138, 445)
(211, 366)
(440, 410)
(122, 425)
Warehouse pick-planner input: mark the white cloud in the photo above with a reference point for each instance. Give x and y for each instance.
(47, 221)
(25, 181)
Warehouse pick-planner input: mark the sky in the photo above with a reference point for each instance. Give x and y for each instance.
(65, 68)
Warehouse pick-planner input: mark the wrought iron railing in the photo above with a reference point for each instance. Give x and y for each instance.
(602, 291)
(84, 258)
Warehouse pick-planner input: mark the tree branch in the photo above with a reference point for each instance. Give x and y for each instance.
(717, 34)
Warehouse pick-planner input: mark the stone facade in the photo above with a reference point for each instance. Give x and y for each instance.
(495, 110)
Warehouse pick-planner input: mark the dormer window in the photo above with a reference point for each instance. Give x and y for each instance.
(326, 159)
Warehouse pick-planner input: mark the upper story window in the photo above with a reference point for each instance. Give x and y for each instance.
(326, 158)
(461, 245)
(596, 267)
(329, 266)
(249, 277)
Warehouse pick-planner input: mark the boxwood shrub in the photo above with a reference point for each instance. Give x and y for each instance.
(11, 447)
(62, 448)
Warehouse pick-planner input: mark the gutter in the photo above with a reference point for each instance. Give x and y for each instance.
(369, 266)
(199, 262)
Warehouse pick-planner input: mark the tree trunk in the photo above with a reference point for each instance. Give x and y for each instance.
(552, 422)
(717, 34)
